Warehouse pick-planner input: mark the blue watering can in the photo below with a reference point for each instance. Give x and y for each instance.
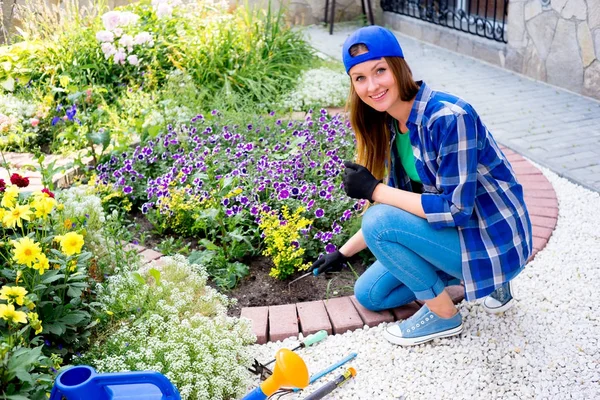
(83, 383)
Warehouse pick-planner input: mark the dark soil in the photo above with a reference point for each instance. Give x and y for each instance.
(260, 289)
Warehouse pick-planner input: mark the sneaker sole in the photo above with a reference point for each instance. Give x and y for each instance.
(500, 309)
(422, 339)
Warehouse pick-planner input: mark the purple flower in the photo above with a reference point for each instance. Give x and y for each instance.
(330, 248)
(319, 213)
(295, 243)
(225, 202)
(284, 194)
(310, 204)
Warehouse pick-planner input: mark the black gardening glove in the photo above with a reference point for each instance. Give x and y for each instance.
(359, 183)
(332, 262)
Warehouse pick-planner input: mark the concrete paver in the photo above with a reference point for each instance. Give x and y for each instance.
(552, 126)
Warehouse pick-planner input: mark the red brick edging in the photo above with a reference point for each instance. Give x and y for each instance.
(343, 314)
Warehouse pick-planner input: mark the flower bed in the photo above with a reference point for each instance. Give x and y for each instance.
(227, 184)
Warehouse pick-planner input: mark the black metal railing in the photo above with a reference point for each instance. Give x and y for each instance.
(485, 18)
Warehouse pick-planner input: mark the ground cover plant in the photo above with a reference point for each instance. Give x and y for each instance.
(165, 318)
(93, 79)
(227, 184)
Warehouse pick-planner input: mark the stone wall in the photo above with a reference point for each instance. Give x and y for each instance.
(555, 41)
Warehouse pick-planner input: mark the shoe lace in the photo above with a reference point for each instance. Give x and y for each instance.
(502, 294)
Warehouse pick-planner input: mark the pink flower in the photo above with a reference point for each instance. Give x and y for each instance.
(34, 122)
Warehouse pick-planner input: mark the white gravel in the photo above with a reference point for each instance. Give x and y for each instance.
(546, 347)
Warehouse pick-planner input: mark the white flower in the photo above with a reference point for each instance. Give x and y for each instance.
(105, 36)
(111, 20)
(120, 56)
(133, 59)
(108, 49)
(164, 10)
(127, 41)
(128, 18)
(142, 38)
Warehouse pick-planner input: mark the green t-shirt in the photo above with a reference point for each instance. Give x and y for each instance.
(405, 152)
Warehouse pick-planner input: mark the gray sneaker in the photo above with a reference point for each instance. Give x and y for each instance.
(499, 300)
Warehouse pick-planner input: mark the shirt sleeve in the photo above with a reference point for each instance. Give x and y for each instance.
(456, 177)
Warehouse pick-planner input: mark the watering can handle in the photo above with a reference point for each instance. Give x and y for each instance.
(162, 382)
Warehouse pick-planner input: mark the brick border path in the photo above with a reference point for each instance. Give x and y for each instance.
(19, 162)
(342, 314)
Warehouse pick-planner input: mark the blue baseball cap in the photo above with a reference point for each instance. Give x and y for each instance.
(380, 41)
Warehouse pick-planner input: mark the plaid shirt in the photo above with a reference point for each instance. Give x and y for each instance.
(469, 184)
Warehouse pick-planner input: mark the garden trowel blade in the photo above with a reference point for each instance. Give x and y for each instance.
(297, 279)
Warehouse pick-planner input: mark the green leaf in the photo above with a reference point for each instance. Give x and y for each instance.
(73, 291)
(138, 277)
(52, 276)
(153, 131)
(155, 274)
(101, 137)
(17, 397)
(23, 375)
(72, 318)
(55, 329)
(209, 245)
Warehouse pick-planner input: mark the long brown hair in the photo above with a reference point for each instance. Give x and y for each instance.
(371, 126)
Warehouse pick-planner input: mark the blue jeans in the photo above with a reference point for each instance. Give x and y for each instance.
(414, 261)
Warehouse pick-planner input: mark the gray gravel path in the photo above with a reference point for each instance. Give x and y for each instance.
(546, 347)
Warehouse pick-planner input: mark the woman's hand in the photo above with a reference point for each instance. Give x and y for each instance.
(332, 262)
(359, 183)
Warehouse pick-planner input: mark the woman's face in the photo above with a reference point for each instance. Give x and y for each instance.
(374, 84)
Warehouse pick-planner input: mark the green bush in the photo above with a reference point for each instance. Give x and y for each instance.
(100, 77)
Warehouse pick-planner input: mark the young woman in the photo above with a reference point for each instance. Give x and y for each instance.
(452, 209)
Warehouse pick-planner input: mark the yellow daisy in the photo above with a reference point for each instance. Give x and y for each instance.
(42, 264)
(13, 294)
(35, 322)
(71, 243)
(10, 196)
(43, 205)
(26, 251)
(8, 313)
(16, 215)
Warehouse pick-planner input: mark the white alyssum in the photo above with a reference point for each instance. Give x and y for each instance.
(320, 87)
(177, 326)
(546, 347)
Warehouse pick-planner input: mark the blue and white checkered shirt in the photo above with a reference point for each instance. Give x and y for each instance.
(469, 184)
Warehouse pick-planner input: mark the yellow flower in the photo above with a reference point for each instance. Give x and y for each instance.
(68, 224)
(26, 251)
(10, 196)
(8, 313)
(42, 264)
(35, 322)
(15, 215)
(13, 294)
(43, 204)
(71, 243)
(60, 207)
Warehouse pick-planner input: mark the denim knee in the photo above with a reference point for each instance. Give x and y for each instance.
(371, 220)
(362, 292)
